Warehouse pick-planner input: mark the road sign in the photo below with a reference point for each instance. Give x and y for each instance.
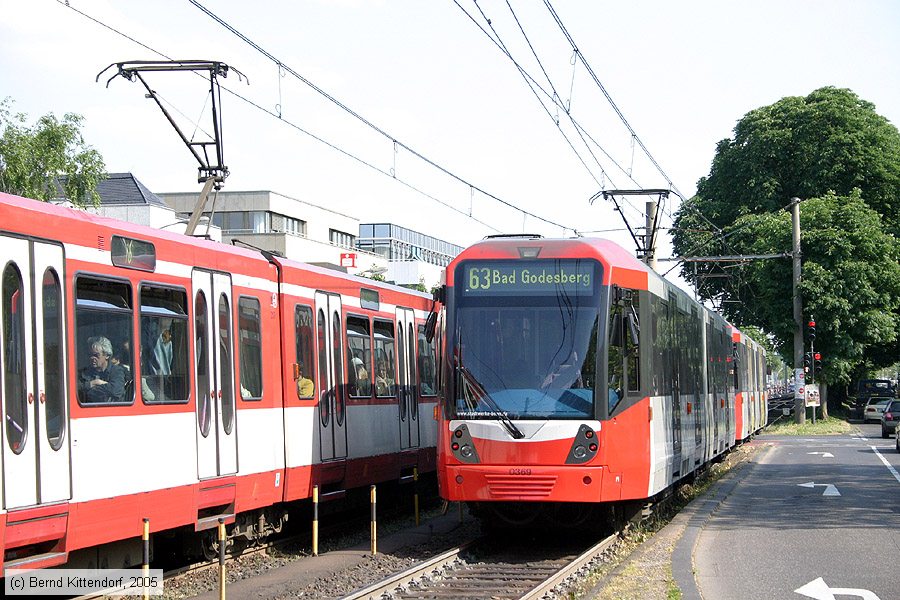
(348, 259)
(812, 394)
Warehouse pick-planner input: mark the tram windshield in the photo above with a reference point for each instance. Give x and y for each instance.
(524, 339)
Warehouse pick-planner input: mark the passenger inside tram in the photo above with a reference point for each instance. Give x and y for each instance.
(123, 359)
(305, 386)
(567, 375)
(384, 383)
(361, 385)
(102, 380)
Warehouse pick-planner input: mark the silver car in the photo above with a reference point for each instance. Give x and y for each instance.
(890, 417)
(874, 409)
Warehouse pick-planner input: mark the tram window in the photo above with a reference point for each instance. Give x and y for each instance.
(615, 358)
(164, 345)
(632, 336)
(402, 380)
(426, 362)
(201, 352)
(304, 331)
(411, 340)
(14, 359)
(249, 328)
(53, 358)
(324, 405)
(225, 363)
(359, 357)
(385, 360)
(104, 339)
(338, 367)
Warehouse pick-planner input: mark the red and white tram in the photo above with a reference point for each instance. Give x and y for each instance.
(576, 379)
(146, 374)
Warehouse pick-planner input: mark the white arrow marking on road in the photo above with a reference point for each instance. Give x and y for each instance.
(819, 590)
(830, 490)
(824, 454)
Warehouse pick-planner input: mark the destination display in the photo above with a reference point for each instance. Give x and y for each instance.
(535, 277)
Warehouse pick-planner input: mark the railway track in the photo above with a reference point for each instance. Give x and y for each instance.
(490, 570)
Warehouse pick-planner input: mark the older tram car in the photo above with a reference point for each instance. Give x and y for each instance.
(150, 375)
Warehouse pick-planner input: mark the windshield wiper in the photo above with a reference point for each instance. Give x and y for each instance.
(481, 394)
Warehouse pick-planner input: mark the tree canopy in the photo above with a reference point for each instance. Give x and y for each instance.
(832, 150)
(35, 159)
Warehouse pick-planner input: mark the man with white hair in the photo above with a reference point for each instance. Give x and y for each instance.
(102, 380)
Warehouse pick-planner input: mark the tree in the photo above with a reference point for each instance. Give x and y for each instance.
(833, 151)
(34, 160)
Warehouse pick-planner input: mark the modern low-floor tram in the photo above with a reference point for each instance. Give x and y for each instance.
(576, 379)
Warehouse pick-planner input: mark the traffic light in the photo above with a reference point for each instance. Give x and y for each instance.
(811, 328)
(807, 361)
(817, 357)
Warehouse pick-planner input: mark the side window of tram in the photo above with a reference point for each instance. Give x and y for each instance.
(202, 354)
(304, 373)
(250, 347)
(16, 416)
(385, 359)
(164, 345)
(427, 365)
(323, 354)
(632, 326)
(53, 357)
(104, 323)
(615, 369)
(359, 357)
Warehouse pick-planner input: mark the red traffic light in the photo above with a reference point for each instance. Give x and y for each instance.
(811, 324)
(818, 356)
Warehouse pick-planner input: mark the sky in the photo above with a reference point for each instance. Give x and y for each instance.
(452, 118)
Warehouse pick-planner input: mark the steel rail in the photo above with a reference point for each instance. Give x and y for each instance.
(391, 583)
(572, 568)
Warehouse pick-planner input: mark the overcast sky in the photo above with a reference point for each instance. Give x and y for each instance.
(431, 76)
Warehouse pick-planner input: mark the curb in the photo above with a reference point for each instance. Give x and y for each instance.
(698, 512)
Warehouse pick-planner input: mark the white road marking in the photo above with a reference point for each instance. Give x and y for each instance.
(824, 454)
(819, 590)
(886, 463)
(830, 490)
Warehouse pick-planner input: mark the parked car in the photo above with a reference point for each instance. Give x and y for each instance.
(890, 417)
(874, 409)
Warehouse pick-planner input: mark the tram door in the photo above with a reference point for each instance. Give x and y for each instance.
(32, 349)
(407, 388)
(214, 375)
(332, 408)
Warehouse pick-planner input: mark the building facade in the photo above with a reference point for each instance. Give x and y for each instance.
(290, 227)
(413, 257)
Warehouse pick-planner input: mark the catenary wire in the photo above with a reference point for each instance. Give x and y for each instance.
(337, 148)
(552, 98)
(368, 123)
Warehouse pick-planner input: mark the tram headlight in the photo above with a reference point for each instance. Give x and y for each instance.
(466, 451)
(579, 451)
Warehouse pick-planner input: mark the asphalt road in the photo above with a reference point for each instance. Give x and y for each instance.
(814, 517)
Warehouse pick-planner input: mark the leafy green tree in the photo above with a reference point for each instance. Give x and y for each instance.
(35, 159)
(833, 151)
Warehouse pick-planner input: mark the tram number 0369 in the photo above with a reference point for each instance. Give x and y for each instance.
(520, 471)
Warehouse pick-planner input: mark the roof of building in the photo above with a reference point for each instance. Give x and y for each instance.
(124, 188)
